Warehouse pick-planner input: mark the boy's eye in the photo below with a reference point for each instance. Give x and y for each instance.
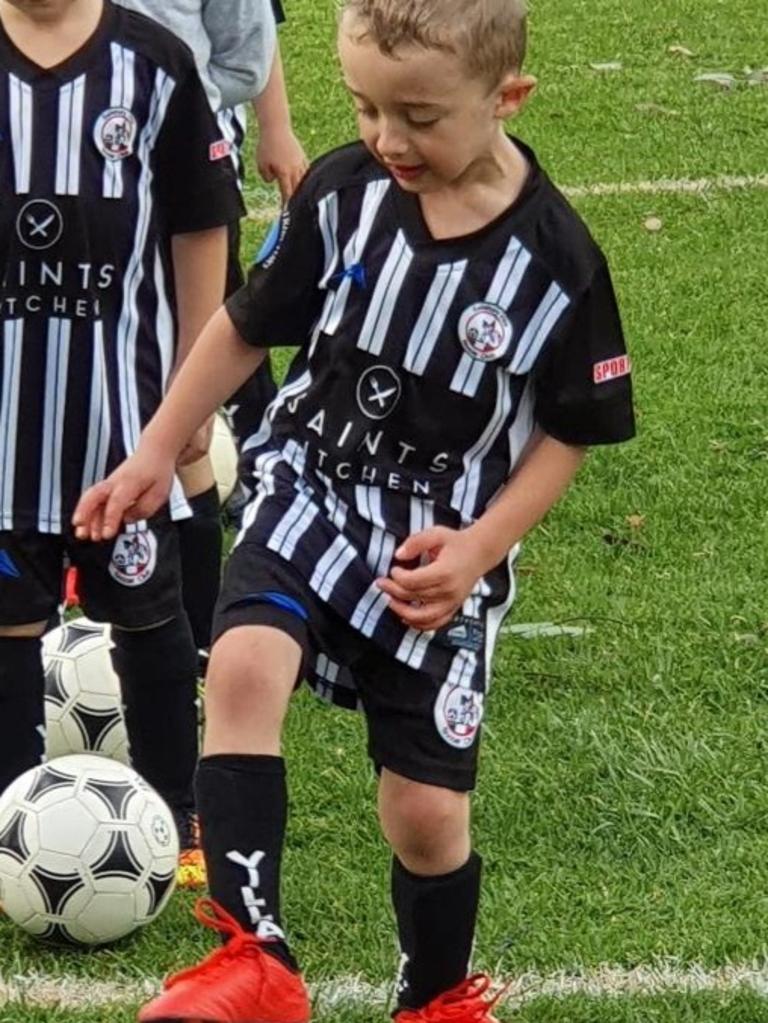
(423, 122)
(368, 112)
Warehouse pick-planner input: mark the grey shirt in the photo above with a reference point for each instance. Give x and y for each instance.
(233, 42)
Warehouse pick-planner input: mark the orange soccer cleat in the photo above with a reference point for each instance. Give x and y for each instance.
(238, 983)
(466, 1003)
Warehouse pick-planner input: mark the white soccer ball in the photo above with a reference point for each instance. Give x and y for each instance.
(88, 851)
(83, 712)
(223, 454)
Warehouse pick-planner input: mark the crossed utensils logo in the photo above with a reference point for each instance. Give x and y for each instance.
(378, 392)
(39, 224)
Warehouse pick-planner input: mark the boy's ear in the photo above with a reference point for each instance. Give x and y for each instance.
(513, 93)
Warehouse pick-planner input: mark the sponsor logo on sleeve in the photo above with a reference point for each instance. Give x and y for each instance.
(219, 150)
(611, 369)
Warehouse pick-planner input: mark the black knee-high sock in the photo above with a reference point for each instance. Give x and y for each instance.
(158, 680)
(200, 544)
(22, 690)
(243, 805)
(436, 924)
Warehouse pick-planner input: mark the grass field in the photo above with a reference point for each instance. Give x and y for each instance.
(623, 805)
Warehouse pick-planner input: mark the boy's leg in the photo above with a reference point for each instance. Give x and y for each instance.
(30, 586)
(134, 582)
(256, 661)
(435, 884)
(423, 737)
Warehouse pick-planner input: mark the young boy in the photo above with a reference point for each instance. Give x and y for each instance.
(461, 349)
(112, 257)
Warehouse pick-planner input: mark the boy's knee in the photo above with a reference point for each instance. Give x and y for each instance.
(426, 826)
(243, 670)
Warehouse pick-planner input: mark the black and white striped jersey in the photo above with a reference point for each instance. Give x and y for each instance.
(423, 368)
(102, 159)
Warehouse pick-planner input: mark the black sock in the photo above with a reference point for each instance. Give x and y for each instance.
(436, 924)
(22, 692)
(158, 680)
(200, 544)
(243, 804)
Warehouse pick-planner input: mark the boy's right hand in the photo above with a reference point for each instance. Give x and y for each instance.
(134, 491)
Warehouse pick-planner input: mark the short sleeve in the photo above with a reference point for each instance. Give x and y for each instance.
(583, 382)
(194, 176)
(281, 301)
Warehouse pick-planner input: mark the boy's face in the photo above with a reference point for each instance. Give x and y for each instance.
(421, 113)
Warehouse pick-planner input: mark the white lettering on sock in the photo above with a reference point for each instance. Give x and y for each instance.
(264, 923)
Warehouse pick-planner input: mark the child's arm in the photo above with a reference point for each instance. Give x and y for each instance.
(199, 270)
(218, 364)
(428, 597)
(279, 154)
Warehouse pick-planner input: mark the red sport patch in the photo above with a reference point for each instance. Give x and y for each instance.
(219, 150)
(611, 369)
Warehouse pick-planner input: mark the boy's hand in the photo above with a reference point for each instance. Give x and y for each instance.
(428, 597)
(280, 157)
(134, 491)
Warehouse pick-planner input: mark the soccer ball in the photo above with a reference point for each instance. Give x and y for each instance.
(83, 713)
(223, 454)
(88, 850)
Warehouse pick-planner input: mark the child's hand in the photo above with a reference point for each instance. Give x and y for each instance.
(279, 157)
(134, 491)
(428, 597)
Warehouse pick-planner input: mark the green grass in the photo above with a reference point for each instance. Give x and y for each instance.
(623, 807)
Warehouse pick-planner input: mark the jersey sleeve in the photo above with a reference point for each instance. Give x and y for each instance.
(281, 301)
(583, 387)
(195, 179)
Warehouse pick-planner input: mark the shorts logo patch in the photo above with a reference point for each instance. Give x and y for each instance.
(485, 331)
(611, 369)
(219, 150)
(134, 557)
(458, 715)
(114, 133)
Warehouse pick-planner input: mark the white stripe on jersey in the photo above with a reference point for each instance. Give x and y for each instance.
(335, 507)
(433, 315)
(374, 196)
(121, 95)
(422, 515)
(502, 292)
(128, 324)
(368, 503)
(332, 566)
(13, 331)
(293, 526)
(99, 419)
(165, 329)
(265, 466)
(369, 610)
(382, 305)
(328, 216)
(413, 648)
(496, 615)
(70, 137)
(54, 406)
(381, 551)
(541, 325)
(22, 130)
(466, 487)
(231, 122)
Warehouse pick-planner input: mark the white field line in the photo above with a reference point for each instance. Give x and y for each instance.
(265, 210)
(78, 993)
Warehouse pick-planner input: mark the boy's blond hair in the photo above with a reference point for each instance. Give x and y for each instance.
(488, 35)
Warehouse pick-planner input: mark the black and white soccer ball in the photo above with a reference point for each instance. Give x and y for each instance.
(88, 850)
(223, 455)
(83, 712)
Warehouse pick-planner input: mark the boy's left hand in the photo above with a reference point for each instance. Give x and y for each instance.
(427, 597)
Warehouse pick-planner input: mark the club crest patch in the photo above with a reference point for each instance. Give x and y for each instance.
(458, 715)
(485, 331)
(115, 133)
(134, 557)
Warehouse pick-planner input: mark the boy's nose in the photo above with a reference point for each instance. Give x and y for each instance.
(391, 143)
